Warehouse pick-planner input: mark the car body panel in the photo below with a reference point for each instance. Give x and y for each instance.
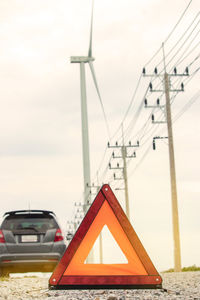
(43, 241)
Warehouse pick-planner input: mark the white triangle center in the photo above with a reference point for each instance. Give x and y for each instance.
(111, 252)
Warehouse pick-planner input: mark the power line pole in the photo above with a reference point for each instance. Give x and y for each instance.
(175, 218)
(97, 188)
(124, 155)
(73, 225)
(100, 236)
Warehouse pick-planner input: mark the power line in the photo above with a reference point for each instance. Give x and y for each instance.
(129, 107)
(179, 62)
(179, 40)
(133, 98)
(181, 47)
(181, 17)
(187, 105)
(135, 117)
(183, 110)
(144, 133)
(172, 31)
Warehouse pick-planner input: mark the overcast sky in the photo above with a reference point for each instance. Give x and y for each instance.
(40, 131)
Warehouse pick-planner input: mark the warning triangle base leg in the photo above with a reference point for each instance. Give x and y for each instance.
(105, 287)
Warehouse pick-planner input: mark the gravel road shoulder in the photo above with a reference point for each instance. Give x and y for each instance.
(185, 285)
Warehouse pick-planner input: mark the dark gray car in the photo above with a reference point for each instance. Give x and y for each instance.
(30, 241)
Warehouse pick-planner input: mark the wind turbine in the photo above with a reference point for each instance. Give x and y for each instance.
(82, 60)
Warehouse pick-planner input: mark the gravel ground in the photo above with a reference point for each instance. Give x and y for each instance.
(184, 285)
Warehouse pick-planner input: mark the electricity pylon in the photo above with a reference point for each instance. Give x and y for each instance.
(167, 90)
(124, 155)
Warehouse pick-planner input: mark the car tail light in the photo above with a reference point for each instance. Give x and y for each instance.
(6, 261)
(2, 240)
(58, 235)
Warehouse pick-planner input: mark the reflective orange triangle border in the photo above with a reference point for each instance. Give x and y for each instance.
(72, 273)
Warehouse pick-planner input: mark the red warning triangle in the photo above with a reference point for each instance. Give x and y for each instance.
(72, 273)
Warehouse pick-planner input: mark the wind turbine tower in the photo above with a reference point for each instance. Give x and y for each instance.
(85, 135)
(82, 60)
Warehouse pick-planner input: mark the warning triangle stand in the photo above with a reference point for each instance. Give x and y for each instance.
(72, 273)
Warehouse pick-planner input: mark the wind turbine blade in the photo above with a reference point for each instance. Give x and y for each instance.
(91, 32)
(97, 88)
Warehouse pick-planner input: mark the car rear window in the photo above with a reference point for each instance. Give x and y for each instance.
(39, 223)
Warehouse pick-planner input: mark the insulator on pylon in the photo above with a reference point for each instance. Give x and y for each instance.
(145, 102)
(156, 71)
(143, 71)
(129, 143)
(138, 143)
(187, 71)
(108, 144)
(175, 71)
(116, 143)
(182, 86)
(150, 86)
(158, 101)
(154, 145)
(109, 165)
(152, 118)
(117, 165)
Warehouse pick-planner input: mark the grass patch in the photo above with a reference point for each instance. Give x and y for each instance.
(4, 278)
(185, 269)
(192, 268)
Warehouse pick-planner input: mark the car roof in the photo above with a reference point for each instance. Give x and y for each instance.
(29, 211)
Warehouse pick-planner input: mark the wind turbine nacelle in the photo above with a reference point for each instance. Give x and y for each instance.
(81, 59)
